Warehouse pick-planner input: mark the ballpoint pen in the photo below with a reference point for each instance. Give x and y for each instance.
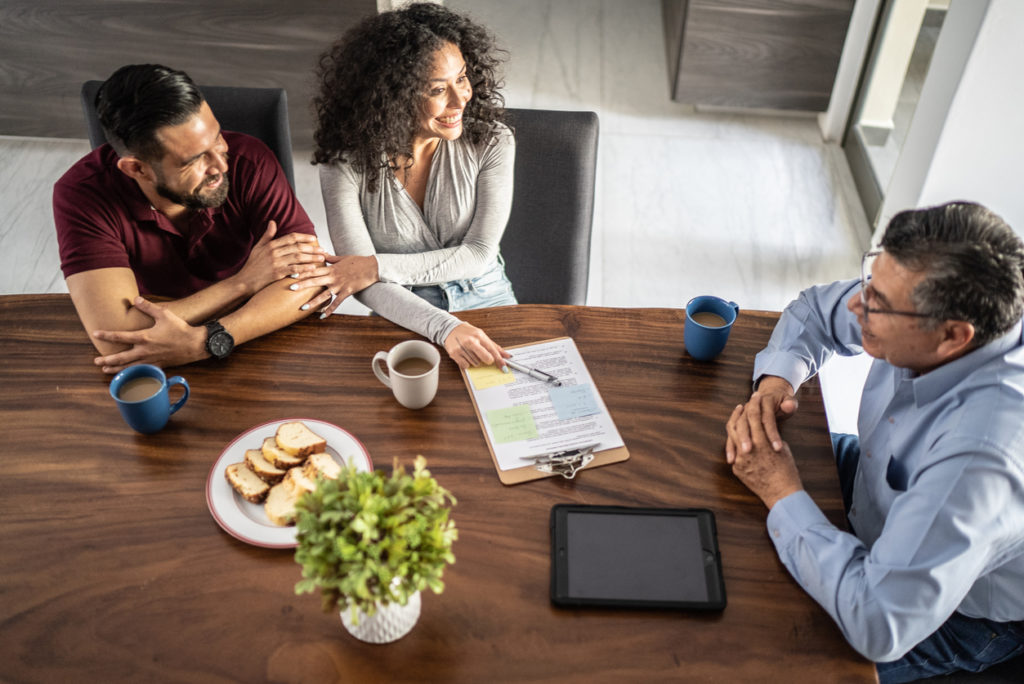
(534, 372)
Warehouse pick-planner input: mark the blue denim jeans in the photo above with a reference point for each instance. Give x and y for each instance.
(961, 643)
(491, 288)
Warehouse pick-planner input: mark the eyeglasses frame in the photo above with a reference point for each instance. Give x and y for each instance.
(864, 278)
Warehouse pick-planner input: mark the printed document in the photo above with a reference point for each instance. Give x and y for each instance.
(524, 417)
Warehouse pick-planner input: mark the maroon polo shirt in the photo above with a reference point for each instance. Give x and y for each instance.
(104, 221)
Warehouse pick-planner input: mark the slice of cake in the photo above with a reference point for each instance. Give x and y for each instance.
(321, 465)
(278, 456)
(246, 482)
(299, 440)
(280, 505)
(264, 469)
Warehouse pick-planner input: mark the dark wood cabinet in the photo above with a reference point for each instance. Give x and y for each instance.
(50, 47)
(777, 54)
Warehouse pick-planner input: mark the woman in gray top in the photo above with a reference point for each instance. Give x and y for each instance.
(416, 175)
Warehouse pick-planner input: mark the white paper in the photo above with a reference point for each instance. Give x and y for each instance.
(506, 409)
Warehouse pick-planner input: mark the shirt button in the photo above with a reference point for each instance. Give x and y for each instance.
(891, 419)
(853, 510)
(868, 454)
(776, 533)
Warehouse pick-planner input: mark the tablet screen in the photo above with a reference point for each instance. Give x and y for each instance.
(644, 557)
(635, 557)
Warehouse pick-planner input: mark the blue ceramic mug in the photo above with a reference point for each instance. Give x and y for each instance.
(142, 394)
(708, 322)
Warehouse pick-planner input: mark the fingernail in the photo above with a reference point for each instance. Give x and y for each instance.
(304, 307)
(745, 446)
(324, 315)
(504, 369)
(294, 275)
(293, 287)
(777, 446)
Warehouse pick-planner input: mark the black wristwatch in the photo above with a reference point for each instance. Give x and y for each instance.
(219, 341)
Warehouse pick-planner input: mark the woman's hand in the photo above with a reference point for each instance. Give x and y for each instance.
(470, 346)
(274, 258)
(340, 277)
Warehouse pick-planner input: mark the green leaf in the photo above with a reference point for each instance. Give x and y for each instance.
(369, 537)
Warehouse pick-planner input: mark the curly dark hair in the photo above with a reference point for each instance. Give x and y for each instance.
(373, 79)
(973, 261)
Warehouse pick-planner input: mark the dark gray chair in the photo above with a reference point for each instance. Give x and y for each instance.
(259, 112)
(546, 243)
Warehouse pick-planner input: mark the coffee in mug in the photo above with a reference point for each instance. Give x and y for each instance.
(138, 389)
(708, 319)
(413, 366)
(142, 394)
(708, 322)
(412, 371)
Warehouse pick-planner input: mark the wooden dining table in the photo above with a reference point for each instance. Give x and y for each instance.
(113, 569)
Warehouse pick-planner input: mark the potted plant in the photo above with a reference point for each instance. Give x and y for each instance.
(371, 543)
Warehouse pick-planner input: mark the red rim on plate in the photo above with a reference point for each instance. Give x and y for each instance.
(226, 506)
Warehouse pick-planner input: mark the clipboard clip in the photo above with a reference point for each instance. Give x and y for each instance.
(565, 463)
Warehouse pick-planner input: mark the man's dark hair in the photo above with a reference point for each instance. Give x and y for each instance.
(139, 99)
(973, 264)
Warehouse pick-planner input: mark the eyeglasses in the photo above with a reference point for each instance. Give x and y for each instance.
(867, 292)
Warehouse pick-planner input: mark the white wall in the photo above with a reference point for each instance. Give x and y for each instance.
(966, 140)
(981, 151)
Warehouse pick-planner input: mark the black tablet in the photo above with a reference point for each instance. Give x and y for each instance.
(635, 557)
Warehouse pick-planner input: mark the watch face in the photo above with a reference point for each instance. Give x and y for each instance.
(220, 344)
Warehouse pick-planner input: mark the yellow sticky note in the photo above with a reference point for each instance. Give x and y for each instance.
(513, 424)
(484, 377)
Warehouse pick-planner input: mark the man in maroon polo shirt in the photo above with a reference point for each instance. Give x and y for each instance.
(174, 207)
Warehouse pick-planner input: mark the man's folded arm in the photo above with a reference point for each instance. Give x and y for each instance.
(104, 299)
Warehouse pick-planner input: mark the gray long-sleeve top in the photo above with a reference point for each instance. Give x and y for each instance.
(455, 237)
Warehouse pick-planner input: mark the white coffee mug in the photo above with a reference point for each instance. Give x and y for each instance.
(412, 372)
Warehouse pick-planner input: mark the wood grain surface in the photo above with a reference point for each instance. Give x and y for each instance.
(777, 54)
(113, 569)
(50, 47)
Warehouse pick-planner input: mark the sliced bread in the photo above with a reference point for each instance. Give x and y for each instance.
(299, 440)
(246, 482)
(280, 505)
(321, 465)
(264, 469)
(298, 481)
(278, 456)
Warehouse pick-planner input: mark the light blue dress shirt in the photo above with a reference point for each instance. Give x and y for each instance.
(938, 498)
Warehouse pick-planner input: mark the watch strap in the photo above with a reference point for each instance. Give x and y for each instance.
(219, 341)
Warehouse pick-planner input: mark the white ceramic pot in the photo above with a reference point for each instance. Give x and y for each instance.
(389, 623)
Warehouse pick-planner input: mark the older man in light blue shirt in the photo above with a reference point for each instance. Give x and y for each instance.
(932, 578)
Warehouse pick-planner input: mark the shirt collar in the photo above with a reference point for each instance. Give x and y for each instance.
(142, 211)
(935, 383)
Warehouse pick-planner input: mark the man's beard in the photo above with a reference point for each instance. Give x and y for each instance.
(195, 200)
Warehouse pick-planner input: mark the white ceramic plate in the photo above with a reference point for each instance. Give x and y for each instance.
(248, 521)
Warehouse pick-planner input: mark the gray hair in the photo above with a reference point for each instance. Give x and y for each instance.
(973, 264)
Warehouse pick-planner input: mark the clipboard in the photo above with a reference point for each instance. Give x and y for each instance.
(528, 471)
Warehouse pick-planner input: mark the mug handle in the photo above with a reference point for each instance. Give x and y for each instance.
(381, 375)
(735, 307)
(178, 380)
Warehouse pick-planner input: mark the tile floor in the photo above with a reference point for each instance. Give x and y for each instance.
(749, 207)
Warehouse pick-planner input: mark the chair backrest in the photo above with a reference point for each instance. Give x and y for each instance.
(546, 244)
(259, 112)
